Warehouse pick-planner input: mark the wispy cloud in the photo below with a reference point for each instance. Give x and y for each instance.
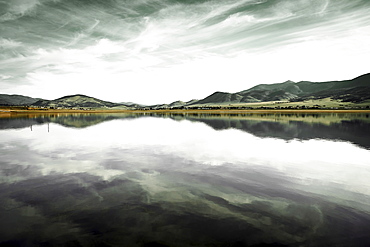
(83, 34)
(210, 45)
(16, 8)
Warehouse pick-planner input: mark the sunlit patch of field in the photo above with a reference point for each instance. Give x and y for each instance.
(324, 103)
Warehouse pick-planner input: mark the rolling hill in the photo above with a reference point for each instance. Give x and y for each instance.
(18, 100)
(76, 101)
(355, 90)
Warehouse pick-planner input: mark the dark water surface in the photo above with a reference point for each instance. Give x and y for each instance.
(185, 180)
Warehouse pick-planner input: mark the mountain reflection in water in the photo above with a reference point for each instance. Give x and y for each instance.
(171, 180)
(352, 127)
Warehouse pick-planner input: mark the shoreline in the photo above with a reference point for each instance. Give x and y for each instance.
(215, 111)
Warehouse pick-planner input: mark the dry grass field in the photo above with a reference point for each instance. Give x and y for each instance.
(326, 105)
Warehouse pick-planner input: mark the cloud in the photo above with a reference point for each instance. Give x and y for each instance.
(211, 45)
(5, 77)
(14, 9)
(300, 7)
(83, 34)
(7, 17)
(10, 48)
(22, 7)
(9, 44)
(204, 148)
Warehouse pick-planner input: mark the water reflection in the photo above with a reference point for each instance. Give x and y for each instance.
(135, 180)
(352, 127)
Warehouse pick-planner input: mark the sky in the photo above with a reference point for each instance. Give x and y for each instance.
(160, 51)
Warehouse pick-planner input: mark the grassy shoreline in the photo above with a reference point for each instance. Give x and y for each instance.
(4, 111)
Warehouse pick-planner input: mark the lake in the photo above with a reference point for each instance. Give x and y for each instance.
(181, 179)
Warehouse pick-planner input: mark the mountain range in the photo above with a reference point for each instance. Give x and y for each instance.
(356, 90)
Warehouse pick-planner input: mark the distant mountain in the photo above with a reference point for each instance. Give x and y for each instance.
(193, 101)
(16, 100)
(78, 100)
(355, 90)
(175, 104)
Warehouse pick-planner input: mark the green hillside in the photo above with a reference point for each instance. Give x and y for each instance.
(77, 101)
(356, 90)
(16, 100)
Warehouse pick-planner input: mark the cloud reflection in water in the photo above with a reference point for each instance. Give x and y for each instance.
(154, 180)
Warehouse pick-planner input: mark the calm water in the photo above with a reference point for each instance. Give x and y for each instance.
(185, 180)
